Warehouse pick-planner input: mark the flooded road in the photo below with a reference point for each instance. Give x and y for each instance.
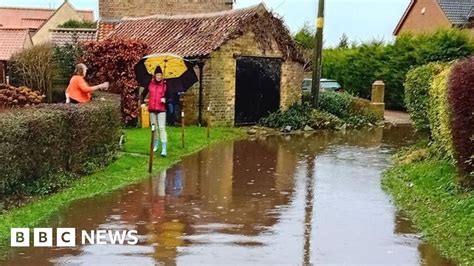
(297, 200)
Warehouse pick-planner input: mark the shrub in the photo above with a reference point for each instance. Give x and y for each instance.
(335, 103)
(461, 102)
(117, 59)
(358, 120)
(323, 120)
(300, 115)
(41, 145)
(35, 68)
(356, 68)
(78, 24)
(66, 58)
(18, 97)
(439, 115)
(417, 87)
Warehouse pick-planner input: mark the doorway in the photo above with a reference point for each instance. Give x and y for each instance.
(257, 91)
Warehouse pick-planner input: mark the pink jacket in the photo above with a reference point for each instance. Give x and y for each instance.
(157, 91)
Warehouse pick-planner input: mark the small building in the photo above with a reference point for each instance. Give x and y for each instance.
(247, 61)
(430, 15)
(40, 21)
(21, 28)
(11, 41)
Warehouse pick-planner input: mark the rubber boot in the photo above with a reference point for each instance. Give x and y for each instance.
(163, 149)
(155, 145)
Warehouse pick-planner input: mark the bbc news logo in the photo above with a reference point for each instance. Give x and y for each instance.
(66, 237)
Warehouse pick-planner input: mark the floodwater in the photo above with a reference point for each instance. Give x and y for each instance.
(299, 200)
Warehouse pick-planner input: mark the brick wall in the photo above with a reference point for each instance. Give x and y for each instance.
(219, 81)
(432, 19)
(109, 9)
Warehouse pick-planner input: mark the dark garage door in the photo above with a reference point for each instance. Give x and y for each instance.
(257, 88)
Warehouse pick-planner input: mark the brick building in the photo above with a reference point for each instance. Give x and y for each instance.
(430, 15)
(112, 11)
(251, 65)
(116, 9)
(22, 28)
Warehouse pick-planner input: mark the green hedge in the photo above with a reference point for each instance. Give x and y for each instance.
(439, 115)
(356, 68)
(417, 87)
(43, 147)
(335, 103)
(461, 101)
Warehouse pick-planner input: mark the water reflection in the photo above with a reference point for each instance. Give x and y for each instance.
(300, 199)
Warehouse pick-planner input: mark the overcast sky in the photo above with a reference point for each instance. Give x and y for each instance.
(361, 20)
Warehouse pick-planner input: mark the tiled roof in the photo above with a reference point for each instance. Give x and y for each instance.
(105, 27)
(457, 11)
(17, 17)
(61, 37)
(200, 34)
(11, 41)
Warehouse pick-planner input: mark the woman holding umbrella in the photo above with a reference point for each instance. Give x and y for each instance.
(179, 76)
(156, 106)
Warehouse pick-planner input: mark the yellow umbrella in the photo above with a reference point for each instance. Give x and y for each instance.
(173, 66)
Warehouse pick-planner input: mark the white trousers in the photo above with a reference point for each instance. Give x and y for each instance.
(159, 120)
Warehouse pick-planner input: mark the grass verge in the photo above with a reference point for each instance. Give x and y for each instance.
(426, 190)
(131, 167)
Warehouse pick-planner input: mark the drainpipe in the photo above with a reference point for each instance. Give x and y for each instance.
(201, 67)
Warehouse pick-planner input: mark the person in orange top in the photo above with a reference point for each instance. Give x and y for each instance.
(78, 90)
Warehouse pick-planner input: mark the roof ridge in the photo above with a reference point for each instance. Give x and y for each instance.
(200, 15)
(41, 8)
(74, 29)
(15, 28)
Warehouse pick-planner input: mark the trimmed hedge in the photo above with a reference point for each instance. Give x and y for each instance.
(461, 103)
(417, 97)
(356, 68)
(43, 147)
(439, 115)
(117, 60)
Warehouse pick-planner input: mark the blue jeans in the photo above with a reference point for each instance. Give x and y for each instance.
(171, 112)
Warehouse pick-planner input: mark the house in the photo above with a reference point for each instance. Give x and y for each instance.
(248, 63)
(429, 15)
(23, 27)
(11, 41)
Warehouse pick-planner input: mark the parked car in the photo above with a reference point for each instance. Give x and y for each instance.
(326, 85)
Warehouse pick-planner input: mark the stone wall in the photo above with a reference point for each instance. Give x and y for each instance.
(113, 9)
(219, 81)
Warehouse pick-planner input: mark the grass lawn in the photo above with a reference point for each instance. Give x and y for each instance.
(427, 191)
(129, 168)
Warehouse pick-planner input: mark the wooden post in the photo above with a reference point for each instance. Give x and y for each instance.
(317, 55)
(181, 100)
(150, 162)
(208, 121)
(377, 104)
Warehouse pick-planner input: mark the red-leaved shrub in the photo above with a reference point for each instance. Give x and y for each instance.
(461, 101)
(113, 60)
